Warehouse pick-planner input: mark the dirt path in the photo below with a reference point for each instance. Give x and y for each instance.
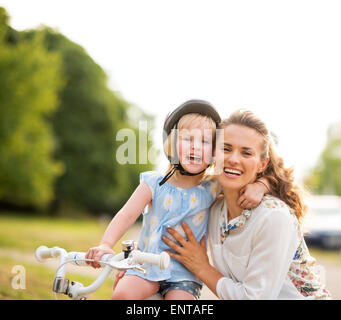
(29, 258)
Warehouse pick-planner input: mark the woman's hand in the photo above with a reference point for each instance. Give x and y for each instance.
(191, 253)
(96, 253)
(193, 256)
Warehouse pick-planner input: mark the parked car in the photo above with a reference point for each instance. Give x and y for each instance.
(323, 222)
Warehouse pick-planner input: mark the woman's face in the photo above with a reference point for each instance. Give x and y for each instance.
(195, 147)
(238, 156)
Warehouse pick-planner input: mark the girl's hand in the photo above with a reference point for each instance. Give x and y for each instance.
(191, 253)
(251, 195)
(96, 253)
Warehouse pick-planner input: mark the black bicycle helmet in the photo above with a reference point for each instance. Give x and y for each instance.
(192, 106)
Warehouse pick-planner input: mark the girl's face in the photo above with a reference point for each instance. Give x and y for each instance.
(238, 156)
(194, 146)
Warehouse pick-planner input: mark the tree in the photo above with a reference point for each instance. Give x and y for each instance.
(325, 178)
(29, 84)
(58, 123)
(85, 125)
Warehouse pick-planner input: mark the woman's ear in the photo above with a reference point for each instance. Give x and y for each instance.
(263, 164)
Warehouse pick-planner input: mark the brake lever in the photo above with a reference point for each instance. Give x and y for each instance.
(126, 264)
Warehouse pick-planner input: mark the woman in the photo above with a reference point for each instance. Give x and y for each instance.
(258, 253)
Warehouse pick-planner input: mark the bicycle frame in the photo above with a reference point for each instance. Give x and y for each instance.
(127, 259)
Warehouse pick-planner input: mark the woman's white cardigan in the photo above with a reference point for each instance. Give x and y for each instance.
(255, 258)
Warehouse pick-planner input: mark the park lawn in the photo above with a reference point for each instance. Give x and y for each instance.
(26, 233)
(20, 235)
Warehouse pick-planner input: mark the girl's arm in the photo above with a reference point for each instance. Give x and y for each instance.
(252, 194)
(127, 216)
(122, 221)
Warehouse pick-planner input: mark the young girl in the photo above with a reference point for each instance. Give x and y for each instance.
(180, 195)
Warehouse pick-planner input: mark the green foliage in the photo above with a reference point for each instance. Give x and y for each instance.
(58, 136)
(89, 116)
(29, 84)
(3, 23)
(325, 178)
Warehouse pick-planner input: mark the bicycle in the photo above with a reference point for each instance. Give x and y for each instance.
(129, 258)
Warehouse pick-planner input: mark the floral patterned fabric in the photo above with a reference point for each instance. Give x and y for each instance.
(304, 273)
(237, 222)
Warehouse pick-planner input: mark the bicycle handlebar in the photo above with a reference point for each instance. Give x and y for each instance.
(161, 260)
(136, 257)
(108, 261)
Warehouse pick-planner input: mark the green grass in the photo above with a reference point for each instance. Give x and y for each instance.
(21, 235)
(27, 233)
(330, 256)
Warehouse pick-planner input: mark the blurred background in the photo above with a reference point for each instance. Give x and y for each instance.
(73, 74)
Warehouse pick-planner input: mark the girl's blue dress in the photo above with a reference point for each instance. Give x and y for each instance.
(170, 206)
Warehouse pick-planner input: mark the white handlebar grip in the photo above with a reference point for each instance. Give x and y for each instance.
(161, 260)
(42, 253)
(164, 260)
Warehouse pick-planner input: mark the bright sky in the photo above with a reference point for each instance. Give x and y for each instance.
(280, 59)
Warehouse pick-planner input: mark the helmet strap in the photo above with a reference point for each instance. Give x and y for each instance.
(181, 170)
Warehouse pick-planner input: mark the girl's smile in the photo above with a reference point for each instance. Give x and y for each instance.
(195, 147)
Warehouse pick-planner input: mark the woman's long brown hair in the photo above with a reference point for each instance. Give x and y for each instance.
(281, 179)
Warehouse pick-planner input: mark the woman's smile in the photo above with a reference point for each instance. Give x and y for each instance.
(232, 172)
